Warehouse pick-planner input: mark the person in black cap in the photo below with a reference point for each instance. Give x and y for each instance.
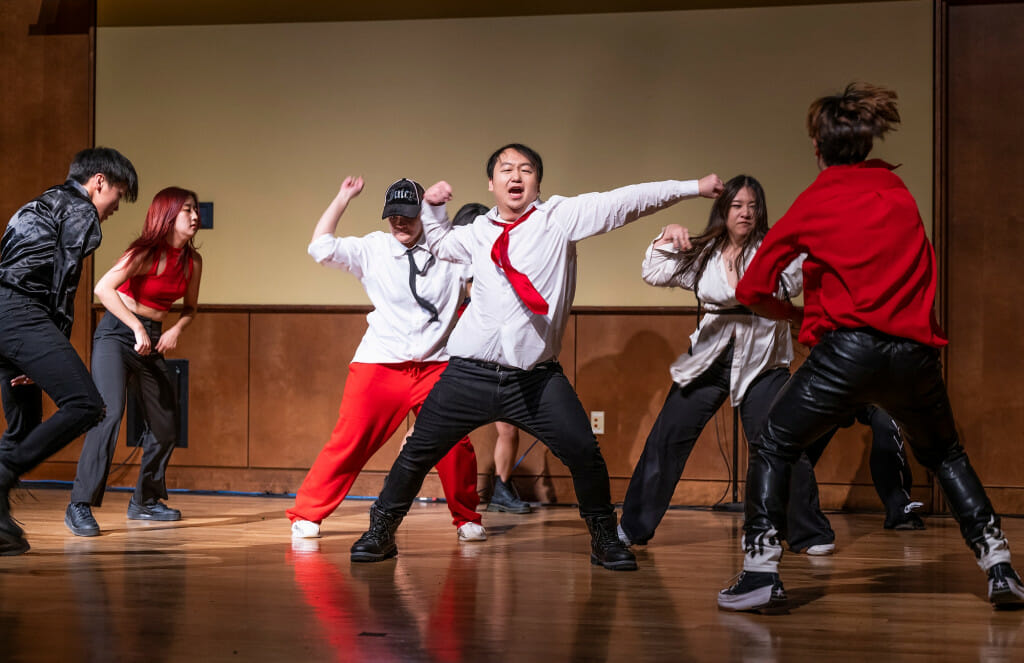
(416, 299)
(41, 258)
(504, 364)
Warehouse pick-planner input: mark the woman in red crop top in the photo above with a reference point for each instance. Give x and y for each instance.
(157, 269)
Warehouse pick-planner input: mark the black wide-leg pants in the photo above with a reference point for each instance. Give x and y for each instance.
(686, 412)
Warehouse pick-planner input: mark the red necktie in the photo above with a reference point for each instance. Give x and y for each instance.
(520, 283)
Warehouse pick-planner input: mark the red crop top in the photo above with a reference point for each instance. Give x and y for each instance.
(159, 291)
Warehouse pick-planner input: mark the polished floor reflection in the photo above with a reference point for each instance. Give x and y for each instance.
(227, 584)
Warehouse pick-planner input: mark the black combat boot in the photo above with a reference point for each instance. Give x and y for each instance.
(378, 542)
(605, 548)
(505, 498)
(12, 537)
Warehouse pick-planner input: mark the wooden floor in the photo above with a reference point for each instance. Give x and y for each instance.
(227, 584)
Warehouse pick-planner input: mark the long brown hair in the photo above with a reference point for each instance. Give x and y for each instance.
(159, 222)
(845, 125)
(716, 234)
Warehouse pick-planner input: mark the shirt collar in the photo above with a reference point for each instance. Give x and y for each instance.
(77, 186)
(493, 215)
(398, 249)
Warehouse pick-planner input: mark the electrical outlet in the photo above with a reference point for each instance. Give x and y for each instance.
(597, 422)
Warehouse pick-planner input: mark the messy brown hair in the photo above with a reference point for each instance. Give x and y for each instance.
(845, 125)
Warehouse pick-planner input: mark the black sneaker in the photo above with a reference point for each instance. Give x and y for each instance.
(377, 543)
(605, 547)
(1004, 587)
(154, 511)
(78, 518)
(905, 519)
(506, 498)
(754, 590)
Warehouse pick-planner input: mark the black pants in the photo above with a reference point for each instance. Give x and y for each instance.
(116, 367)
(30, 344)
(469, 395)
(890, 471)
(682, 418)
(848, 369)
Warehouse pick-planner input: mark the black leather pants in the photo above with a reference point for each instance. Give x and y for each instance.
(851, 368)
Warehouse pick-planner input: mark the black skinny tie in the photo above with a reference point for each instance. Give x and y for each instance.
(414, 271)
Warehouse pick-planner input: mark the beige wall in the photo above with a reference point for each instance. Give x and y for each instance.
(265, 120)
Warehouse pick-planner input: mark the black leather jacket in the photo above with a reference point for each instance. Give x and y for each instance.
(42, 250)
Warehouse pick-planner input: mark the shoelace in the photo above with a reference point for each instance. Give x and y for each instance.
(606, 537)
(379, 526)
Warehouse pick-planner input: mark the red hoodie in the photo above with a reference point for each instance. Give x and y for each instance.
(869, 263)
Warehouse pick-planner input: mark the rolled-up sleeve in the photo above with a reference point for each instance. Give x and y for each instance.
(346, 253)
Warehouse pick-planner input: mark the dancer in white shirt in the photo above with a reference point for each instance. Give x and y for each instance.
(416, 300)
(504, 349)
(733, 353)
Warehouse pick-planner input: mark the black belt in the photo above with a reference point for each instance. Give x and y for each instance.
(491, 366)
(732, 310)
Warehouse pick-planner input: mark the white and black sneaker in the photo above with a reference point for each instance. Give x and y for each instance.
(758, 591)
(1004, 587)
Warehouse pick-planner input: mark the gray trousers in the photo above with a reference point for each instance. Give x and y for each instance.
(116, 367)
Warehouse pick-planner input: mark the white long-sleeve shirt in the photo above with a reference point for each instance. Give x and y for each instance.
(399, 328)
(759, 344)
(497, 327)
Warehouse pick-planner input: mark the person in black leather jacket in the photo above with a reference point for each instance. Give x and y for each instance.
(41, 256)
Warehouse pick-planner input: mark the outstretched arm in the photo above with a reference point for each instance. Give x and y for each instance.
(596, 213)
(328, 223)
(758, 288)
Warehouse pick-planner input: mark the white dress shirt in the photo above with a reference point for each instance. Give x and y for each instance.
(497, 327)
(399, 328)
(759, 344)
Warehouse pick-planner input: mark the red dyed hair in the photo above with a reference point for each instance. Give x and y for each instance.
(159, 223)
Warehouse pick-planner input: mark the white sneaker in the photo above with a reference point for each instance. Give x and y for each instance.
(820, 549)
(472, 532)
(305, 529)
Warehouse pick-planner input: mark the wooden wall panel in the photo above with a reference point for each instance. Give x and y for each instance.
(623, 362)
(622, 370)
(298, 368)
(46, 119)
(216, 346)
(47, 104)
(266, 388)
(983, 166)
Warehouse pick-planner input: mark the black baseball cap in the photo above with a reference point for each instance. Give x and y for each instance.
(403, 198)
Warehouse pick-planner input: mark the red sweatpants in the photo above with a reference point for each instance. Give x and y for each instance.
(377, 398)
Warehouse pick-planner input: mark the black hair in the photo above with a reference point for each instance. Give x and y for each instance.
(530, 155)
(716, 234)
(111, 164)
(845, 125)
(468, 212)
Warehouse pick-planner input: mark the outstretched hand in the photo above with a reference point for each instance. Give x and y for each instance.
(710, 186)
(438, 194)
